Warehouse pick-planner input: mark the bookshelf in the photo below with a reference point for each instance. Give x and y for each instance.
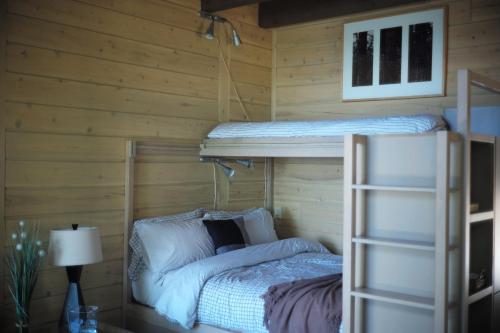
(480, 235)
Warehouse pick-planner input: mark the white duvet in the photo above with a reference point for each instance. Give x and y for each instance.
(182, 287)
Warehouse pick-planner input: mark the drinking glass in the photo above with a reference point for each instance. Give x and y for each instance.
(83, 319)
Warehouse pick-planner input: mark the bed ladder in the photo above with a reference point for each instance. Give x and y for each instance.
(355, 241)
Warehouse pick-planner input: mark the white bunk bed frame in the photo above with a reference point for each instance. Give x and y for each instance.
(303, 147)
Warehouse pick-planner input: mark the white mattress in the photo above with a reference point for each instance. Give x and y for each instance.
(365, 126)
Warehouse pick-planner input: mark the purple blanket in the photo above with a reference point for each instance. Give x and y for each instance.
(305, 306)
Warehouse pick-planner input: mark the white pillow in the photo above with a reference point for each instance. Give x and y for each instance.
(137, 262)
(169, 246)
(258, 224)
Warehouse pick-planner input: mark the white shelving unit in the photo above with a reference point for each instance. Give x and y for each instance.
(479, 232)
(363, 247)
(480, 308)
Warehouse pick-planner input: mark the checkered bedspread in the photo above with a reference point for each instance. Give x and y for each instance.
(232, 299)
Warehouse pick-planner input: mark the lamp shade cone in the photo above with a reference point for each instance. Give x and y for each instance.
(69, 247)
(235, 38)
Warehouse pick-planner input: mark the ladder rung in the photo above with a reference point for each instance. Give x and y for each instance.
(483, 216)
(480, 294)
(393, 188)
(395, 298)
(399, 243)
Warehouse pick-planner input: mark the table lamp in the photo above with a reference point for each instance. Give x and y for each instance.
(73, 248)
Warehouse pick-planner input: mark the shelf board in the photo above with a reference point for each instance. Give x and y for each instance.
(395, 298)
(393, 188)
(398, 243)
(483, 216)
(480, 294)
(481, 138)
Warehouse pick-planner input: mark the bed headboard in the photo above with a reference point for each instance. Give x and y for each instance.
(152, 154)
(155, 170)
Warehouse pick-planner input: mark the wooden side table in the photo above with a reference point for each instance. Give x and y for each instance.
(108, 328)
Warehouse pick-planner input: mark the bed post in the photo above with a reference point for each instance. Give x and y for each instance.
(269, 184)
(349, 262)
(128, 221)
(463, 125)
(442, 232)
(359, 220)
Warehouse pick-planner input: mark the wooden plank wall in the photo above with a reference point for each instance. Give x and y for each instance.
(82, 77)
(307, 85)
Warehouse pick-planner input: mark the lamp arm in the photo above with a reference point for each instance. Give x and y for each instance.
(230, 23)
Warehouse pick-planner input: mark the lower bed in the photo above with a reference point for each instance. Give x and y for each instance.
(232, 300)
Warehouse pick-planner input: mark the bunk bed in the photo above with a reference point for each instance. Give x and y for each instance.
(383, 172)
(366, 156)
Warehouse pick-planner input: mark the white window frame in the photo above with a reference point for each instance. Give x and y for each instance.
(404, 88)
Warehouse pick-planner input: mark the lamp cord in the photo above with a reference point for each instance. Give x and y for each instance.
(235, 88)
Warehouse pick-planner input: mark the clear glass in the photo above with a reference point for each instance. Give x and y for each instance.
(390, 55)
(83, 319)
(362, 59)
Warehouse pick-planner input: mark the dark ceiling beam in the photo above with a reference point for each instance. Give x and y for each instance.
(217, 5)
(278, 13)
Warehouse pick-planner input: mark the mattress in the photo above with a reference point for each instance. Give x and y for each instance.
(232, 300)
(321, 128)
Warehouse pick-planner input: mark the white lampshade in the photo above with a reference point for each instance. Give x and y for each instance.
(69, 247)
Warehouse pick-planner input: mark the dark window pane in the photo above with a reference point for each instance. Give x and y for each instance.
(420, 53)
(390, 55)
(362, 59)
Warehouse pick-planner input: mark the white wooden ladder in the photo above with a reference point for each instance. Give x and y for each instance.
(355, 240)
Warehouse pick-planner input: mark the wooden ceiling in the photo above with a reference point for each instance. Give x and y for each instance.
(278, 13)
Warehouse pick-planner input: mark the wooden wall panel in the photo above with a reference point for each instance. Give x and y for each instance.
(3, 51)
(111, 22)
(29, 31)
(83, 76)
(250, 66)
(109, 222)
(60, 92)
(307, 85)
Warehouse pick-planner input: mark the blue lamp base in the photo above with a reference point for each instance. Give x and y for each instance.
(74, 296)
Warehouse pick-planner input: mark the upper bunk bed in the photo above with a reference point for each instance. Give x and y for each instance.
(320, 138)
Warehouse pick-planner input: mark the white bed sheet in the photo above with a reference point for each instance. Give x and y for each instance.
(321, 128)
(145, 288)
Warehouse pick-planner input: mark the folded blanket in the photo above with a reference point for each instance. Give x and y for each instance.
(305, 306)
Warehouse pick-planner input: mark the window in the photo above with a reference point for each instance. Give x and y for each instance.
(397, 56)
(362, 59)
